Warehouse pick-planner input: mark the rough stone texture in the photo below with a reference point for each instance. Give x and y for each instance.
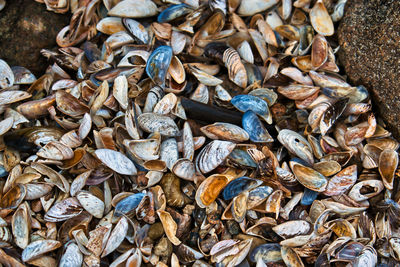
(25, 28)
(369, 36)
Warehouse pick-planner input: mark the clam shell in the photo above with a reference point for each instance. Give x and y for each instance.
(296, 144)
(116, 161)
(342, 181)
(151, 122)
(134, 9)
(320, 19)
(158, 64)
(37, 248)
(388, 162)
(213, 154)
(254, 127)
(308, 177)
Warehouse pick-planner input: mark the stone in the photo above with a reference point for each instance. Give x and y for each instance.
(369, 37)
(26, 27)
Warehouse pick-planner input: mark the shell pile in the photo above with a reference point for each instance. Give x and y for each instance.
(195, 133)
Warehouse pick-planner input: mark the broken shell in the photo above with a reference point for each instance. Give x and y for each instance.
(296, 144)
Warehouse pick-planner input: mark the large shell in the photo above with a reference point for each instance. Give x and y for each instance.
(296, 144)
(134, 9)
(213, 154)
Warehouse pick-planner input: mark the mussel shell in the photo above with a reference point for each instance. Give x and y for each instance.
(209, 190)
(158, 64)
(136, 30)
(292, 228)
(6, 75)
(152, 122)
(342, 181)
(213, 154)
(258, 195)
(134, 9)
(13, 197)
(127, 205)
(172, 12)
(269, 253)
(22, 75)
(321, 20)
(254, 127)
(239, 185)
(253, 103)
(308, 197)
(251, 7)
(296, 144)
(388, 162)
(225, 131)
(309, 177)
(242, 158)
(63, 210)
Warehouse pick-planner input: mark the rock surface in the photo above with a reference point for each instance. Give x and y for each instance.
(369, 36)
(25, 28)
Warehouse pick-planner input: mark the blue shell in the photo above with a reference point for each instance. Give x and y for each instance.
(128, 204)
(239, 185)
(268, 252)
(261, 192)
(158, 64)
(253, 103)
(173, 12)
(3, 172)
(243, 158)
(254, 127)
(308, 197)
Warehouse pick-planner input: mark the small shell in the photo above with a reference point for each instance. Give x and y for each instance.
(6, 75)
(158, 64)
(292, 228)
(151, 122)
(296, 144)
(225, 131)
(213, 154)
(269, 253)
(239, 185)
(357, 194)
(297, 91)
(320, 19)
(91, 203)
(388, 162)
(116, 161)
(37, 248)
(63, 210)
(134, 9)
(253, 103)
(254, 127)
(109, 25)
(342, 181)
(251, 7)
(290, 257)
(170, 226)
(209, 190)
(117, 235)
(236, 71)
(308, 177)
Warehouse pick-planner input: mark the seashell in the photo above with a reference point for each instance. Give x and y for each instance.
(7, 78)
(13, 197)
(171, 186)
(22, 75)
(172, 12)
(117, 235)
(388, 162)
(127, 206)
(269, 253)
(109, 25)
(324, 80)
(332, 113)
(9, 97)
(169, 152)
(120, 91)
(319, 51)
(56, 151)
(297, 91)
(158, 64)
(145, 149)
(176, 70)
(134, 9)
(37, 190)
(341, 157)
(187, 254)
(201, 94)
(259, 42)
(290, 257)
(308, 177)
(327, 168)
(151, 122)
(368, 257)
(289, 32)
(63, 210)
(213, 154)
(342, 181)
(309, 196)
(357, 194)
(236, 71)
(254, 127)
(296, 75)
(320, 19)
(185, 169)
(21, 226)
(137, 30)
(170, 226)
(292, 228)
(338, 11)
(251, 7)
(253, 103)
(203, 77)
(239, 206)
(266, 94)
(91, 203)
(296, 144)
(37, 248)
(72, 256)
(116, 161)
(342, 209)
(244, 50)
(225, 131)
(239, 185)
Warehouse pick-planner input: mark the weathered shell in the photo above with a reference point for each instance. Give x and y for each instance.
(158, 64)
(151, 122)
(116, 161)
(91, 203)
(296, 75)
(254, 127)
(388, 161)
(110, 25)
(342, 181)
(134, 9)
(117, 235)
(251, 7)
(297, 91)
(309, 177)
(331, 114)
(292, 228)
(239, 185)
(213, 154)
(72, 256)
(185, 169)
(127, 205)
(239, 206)
(296, 144)
(22, 75)
(21, 226)
(37, 248)
(320, 19)
(236, 71)
(253, 103)
(290, 257)
(225, 131)
(357, 194)
(170, 226)
(13, 197)
(63, 210)
(327, 168)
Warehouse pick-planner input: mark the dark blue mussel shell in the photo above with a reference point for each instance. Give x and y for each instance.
(128, 205)
(158, 64)
(308, 197)
(269, 253)
(253, 103)
(239, 185)
(173, 12)
(254, 127)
